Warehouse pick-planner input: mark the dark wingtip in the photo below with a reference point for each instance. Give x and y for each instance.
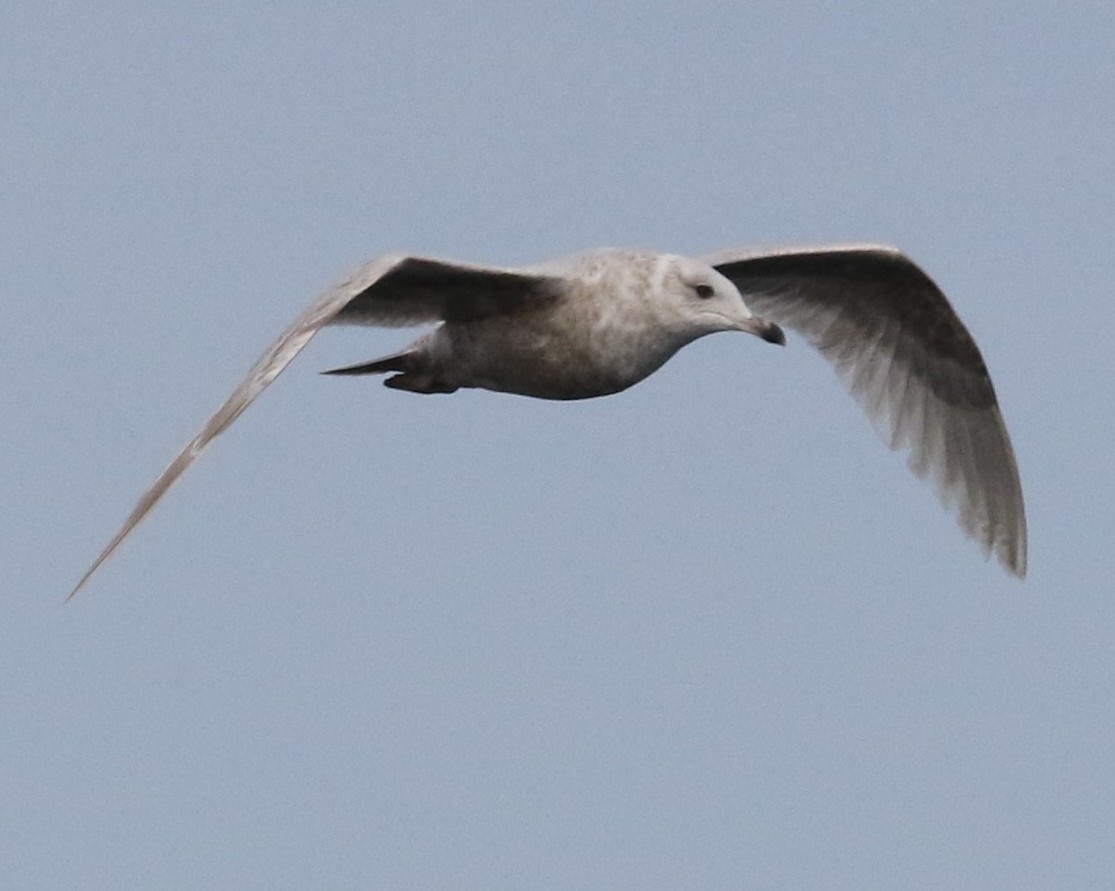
(394, 362)
(773, 334)
(365, 368)
(349, 369)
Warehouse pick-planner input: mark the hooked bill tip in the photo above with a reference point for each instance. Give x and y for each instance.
(773, 334)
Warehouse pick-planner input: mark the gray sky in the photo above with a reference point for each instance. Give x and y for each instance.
(706, 633)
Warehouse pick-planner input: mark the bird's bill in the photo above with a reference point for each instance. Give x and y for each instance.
(768, 331)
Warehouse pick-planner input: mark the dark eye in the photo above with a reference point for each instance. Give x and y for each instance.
(704, 291)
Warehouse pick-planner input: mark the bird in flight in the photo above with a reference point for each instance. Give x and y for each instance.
(597, 322)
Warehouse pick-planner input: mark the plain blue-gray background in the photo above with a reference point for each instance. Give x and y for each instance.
(706, 633)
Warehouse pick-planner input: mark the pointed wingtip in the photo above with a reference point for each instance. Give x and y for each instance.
(77, 587)
(91, 570)
(1015, 563)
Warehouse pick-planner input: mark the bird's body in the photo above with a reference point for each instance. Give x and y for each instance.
(566, 342)
(597, 322)
(569, 347)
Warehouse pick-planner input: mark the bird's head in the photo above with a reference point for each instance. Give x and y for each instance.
(705, 301)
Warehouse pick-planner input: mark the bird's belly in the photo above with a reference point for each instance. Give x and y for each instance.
(547, 362)
(547, 373)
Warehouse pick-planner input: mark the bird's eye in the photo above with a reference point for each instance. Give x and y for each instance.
(704, 291)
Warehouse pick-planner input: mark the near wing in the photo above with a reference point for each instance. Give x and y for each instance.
(391, 291)
(905, 355)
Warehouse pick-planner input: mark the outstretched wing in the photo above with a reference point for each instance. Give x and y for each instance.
(391, 291)
(905, 355)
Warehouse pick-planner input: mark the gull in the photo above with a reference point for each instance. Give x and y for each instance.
(597, 322)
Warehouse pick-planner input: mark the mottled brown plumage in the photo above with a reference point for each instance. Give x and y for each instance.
(598, 322)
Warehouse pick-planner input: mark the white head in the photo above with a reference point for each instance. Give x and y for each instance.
(704, 301)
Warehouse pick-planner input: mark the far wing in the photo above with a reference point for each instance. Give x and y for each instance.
(416, 290)
(903, 352)
(390, 291)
